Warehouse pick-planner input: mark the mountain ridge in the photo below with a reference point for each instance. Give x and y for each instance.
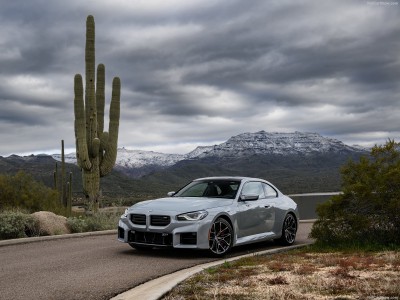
(295, 162)
(137, 163)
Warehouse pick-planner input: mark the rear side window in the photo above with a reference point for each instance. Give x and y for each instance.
(253, 188)
(270, 192)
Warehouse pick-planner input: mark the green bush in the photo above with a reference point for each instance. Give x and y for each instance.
(17, 224)
(21, 190)
(97, 222)
(77, 224)
(368, 211)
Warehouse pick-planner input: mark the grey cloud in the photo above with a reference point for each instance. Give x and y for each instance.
(195, 71)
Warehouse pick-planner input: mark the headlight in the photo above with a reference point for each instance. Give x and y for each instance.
(125, 215)
(192, 216)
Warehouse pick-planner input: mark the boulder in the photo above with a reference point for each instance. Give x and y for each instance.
(50, 223)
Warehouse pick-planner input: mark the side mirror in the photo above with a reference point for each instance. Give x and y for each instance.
(170, 194)
(250, 197)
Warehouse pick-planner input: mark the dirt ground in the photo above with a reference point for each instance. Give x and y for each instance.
(299, 275)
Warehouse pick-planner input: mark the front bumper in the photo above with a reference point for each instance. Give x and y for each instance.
(177, 234)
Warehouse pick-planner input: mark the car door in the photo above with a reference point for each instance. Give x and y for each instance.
(269, 203)
(251, 214)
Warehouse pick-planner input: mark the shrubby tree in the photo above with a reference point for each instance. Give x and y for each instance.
(21, 190)
(368, 210)
(17, 224)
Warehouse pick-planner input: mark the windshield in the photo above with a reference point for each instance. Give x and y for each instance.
(210, 189)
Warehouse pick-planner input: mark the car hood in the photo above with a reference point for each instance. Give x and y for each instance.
(181, 204)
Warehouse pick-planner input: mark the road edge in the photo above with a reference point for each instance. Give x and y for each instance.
(55, 237)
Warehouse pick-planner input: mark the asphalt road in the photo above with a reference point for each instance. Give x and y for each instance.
(97, 267)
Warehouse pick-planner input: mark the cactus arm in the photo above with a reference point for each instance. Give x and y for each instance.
(95, 147)
(100, 98)
(111, 146)
(100, 102)
(80, 131)
(115, 111)
(104, 140)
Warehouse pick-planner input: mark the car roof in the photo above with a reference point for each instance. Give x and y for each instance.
(237, 178)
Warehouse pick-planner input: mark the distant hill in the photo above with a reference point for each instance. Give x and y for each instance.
(42, 168)
(292, 174)
(138, 163)
(275, 143)
(296, 162)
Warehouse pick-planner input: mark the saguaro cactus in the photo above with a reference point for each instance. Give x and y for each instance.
(96, 149)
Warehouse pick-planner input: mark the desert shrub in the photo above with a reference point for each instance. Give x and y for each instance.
(368, 211)
(21, 190)
(17, 224)
(97, 222)
(77, 224)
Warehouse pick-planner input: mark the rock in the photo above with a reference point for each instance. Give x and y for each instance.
(51, 224)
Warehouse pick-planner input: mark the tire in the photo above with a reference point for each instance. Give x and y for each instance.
(220, 238)
(289, 230)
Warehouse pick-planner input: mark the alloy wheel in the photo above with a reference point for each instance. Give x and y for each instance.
(220, 237)
(289, 229)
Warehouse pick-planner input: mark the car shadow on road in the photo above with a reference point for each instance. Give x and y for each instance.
(201, 254)
(165, 253)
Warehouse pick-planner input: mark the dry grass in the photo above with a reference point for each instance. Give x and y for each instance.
(299, 275)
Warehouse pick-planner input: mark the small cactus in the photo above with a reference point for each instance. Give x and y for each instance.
(64, 189)
(96, 149)
(69, 194)
(55, 178)
(63, 202)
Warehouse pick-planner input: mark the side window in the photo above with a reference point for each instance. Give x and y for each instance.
(270, 192)
(253, 188)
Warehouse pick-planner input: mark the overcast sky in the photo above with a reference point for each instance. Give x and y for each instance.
(196, 72)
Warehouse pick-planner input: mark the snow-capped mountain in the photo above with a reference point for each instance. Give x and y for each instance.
(139, 158)
(133, 158)
(70, 158)
(135, 163)
(264, 143)
(200, 151)
(138, 162)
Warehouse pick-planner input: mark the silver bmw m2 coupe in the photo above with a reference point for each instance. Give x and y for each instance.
(214, 213)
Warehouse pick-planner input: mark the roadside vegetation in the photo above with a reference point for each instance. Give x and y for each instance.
(18, 223)
(308, 273)
(104, 220)
(368, 211)
(22, 191)
(21, 196)
(355, 255)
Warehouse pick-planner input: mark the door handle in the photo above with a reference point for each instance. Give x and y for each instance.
(267, 206)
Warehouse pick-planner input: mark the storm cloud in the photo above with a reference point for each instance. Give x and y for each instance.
(197, 72)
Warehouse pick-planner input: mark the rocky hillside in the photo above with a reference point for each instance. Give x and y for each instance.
(137, 163)
(265, 143)
(296, 162)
